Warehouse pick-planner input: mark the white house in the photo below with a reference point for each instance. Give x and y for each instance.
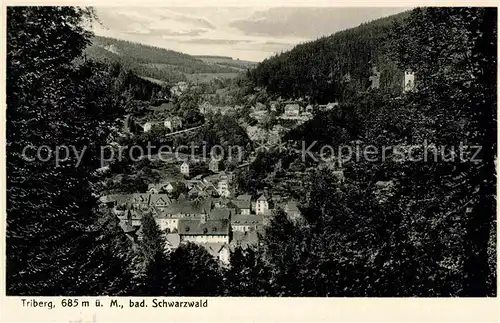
(409, 81)
(185, 168)
(262, 206)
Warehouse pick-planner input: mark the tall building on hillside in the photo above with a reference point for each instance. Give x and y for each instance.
(185, 168)
(375, 79)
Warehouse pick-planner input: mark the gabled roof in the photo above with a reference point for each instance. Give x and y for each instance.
(244, 240)
(220, 214)
(140, 198)
(173, 240)
(241, 204)
(155, 198)
(209, 227)
(244, 197)
(262, 198)
(126, 227)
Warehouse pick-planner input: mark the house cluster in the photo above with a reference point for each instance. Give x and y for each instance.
(219, 224)
(408, 80)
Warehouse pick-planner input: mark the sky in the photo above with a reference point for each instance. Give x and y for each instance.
(247, 33)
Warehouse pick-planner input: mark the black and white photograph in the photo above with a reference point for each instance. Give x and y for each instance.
(260, 151)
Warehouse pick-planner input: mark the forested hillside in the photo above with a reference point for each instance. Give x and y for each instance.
(327, 68)
(159, 63)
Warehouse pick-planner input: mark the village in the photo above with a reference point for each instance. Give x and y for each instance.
(208, 208)
(203, 209)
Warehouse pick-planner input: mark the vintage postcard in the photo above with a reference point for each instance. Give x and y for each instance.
(244, 162)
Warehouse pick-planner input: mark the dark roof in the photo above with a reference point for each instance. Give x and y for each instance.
(209, 227)
(247, 219)
(244, 197)
(173, 240)
(241, 204)
(219, 214)
(189, 207)
(244, 240)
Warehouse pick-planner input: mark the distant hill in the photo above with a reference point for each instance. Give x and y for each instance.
(322, 68)
(156, 63)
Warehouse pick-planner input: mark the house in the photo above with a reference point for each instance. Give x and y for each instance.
(409, 81)
(188, 209)
(260, 106)
(140, 200)
(147, 126)
(159, 200)
(292, 110)
(205, 107)
(241, 206)
(185, 168)
(262, 205)
(168, 222)
(244, 197)
(245, 223)
(204, 231)
(274, 105)
(292, 210)
(223, 188)
(339, 174)
(384, 190)
(213, 165)
(197, 191)
(114, 200)
(132, 218)
(173, 123)
(156, 188)
(221, 214)
(244, 240)
(220, 251)
(329, 106)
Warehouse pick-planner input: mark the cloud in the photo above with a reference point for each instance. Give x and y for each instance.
(307, 22)
(251, 33)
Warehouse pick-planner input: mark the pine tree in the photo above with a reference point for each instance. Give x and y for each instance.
(53, 231)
